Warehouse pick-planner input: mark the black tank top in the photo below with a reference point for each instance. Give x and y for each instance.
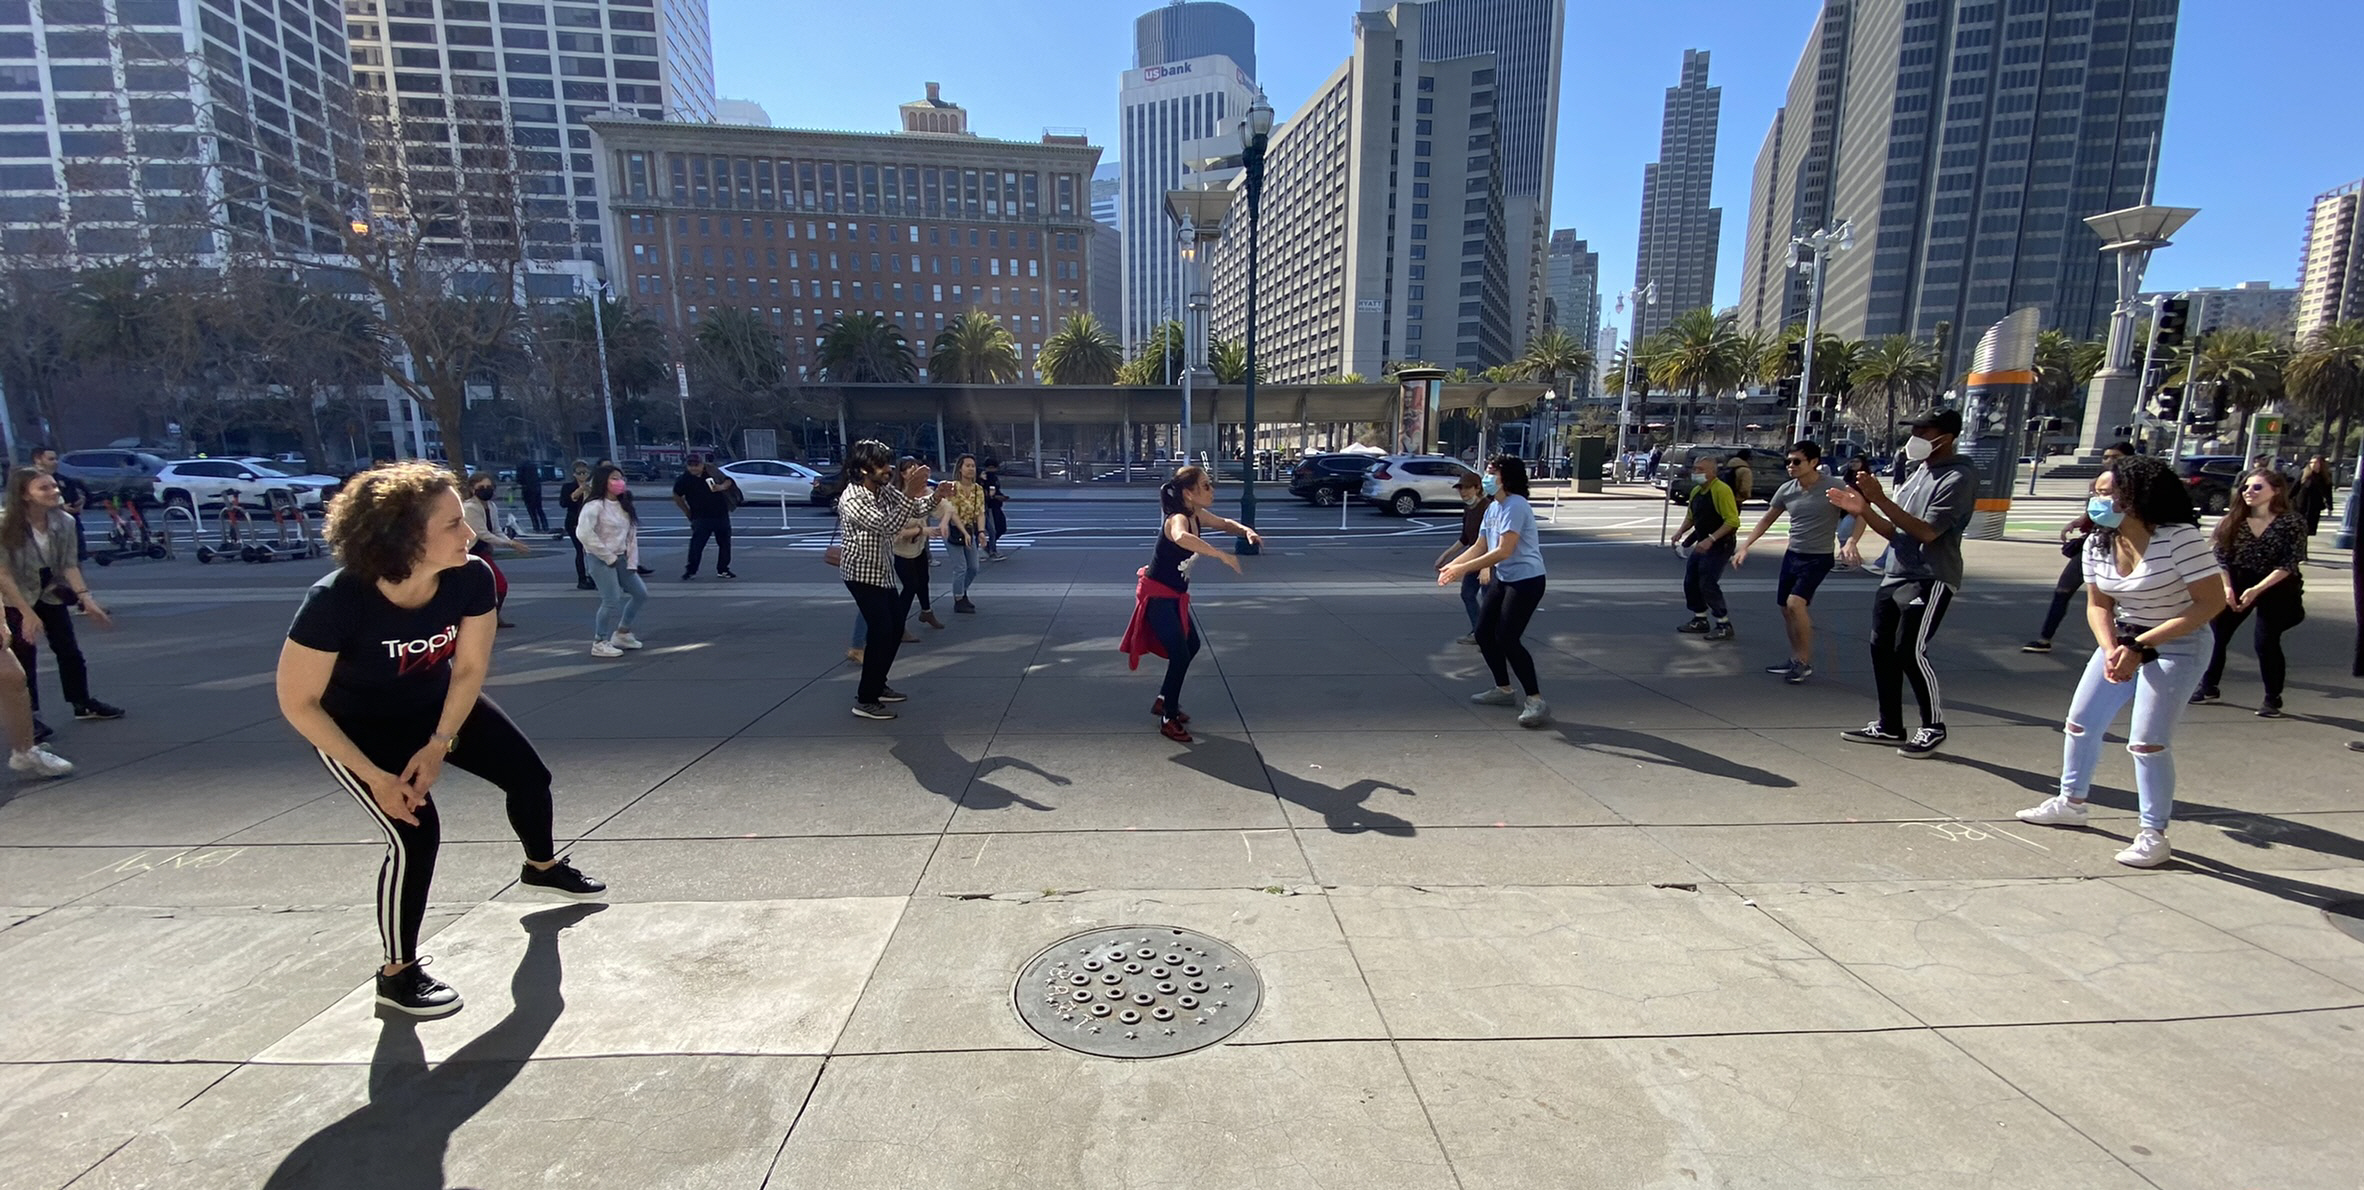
(1165, 563)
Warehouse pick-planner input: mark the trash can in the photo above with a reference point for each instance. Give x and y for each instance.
(1587, 458)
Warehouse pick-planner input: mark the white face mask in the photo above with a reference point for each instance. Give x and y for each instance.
(1918, 449)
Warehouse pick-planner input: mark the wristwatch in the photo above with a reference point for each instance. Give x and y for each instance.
(451, 742)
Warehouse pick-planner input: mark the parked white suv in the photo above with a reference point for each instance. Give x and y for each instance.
(205, 482)
(1402, 483)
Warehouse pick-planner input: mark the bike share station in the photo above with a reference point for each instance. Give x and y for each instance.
(236, 533)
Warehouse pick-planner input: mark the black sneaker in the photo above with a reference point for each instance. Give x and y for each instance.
(872, 710)
(414, 991)
(687, 575)
(1721, 631)
(94, 709)
(2204, 696)
(1696, 624)
(2271, 709)
(643, 571)
(724, 574)
(584, 584)
(2036, 646)
(562, 878)
(1799, 673)
(963, 605)
(890, 694)
(42, 731)
(1872, 733)
(1782, 668)
(1924, 741)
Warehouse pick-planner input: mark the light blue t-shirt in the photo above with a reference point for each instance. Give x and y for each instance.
(1514, 515)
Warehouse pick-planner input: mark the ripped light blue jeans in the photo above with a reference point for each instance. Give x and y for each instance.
(2159, 691)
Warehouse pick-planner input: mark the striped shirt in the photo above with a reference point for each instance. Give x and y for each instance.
(2178, 556)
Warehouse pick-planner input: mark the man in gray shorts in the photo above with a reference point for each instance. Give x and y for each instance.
(1813, 542)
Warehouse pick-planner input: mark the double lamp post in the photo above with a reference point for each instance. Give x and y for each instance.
(1199, 213)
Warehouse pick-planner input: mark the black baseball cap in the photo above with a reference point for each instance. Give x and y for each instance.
(1944, 421)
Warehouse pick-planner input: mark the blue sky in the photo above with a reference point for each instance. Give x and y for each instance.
(2258, 122)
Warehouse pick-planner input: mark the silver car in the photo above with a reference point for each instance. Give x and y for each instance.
(110, 471)
(1401, 484)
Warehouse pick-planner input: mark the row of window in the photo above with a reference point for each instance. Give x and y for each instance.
(767, 183)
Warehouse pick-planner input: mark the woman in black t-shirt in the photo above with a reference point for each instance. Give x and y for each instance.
(383, 672)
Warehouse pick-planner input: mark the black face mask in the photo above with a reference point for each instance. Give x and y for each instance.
(484, 493)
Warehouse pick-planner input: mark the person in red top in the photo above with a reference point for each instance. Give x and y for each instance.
(1162, 623)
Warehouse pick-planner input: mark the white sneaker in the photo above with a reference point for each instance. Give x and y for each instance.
(1495, 698)
(2056, 810)
(623, 639)
(38, 761)
(1536, 713)
(2149, 850)
(601, 648)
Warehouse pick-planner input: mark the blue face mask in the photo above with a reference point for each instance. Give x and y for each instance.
(1490, 484)
(2103, 511)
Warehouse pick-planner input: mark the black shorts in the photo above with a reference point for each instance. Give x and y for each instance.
(1801, 575)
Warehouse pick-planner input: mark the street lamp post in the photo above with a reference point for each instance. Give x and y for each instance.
(2128, 237)
(607, 399)
(1255, 130)
(1634, 299)
(1821, 243)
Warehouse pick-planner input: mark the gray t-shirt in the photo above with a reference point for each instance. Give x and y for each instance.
(1813, 523)
(1943, 494)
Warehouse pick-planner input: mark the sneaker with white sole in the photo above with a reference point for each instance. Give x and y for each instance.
(1536, 712)
(414, 991)
(1494, 698)
(601, 648)
(1923, 742)
(2056, 810)
(38, 761)
(1798, 674)
(2149, 850)
(1872, 733)
(623, 639)
(872, 710)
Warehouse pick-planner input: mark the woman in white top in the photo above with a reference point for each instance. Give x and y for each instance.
(2155, 587)
(484, 519)
(609, 529)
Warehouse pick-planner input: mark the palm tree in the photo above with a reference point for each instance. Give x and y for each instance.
(1898, 368)
(858, 348)
(1551, 355)
(2242, 366)
(1081, 351)
(1767, 355)
(2326, 378)
(1228, 360)
(1159, 360)
(2061, 372)
(1702, 353)
(974, 349)
(741, 345)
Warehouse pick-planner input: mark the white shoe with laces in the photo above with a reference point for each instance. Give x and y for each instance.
(601, 648)
(2056, 810)
(623, 639)
(38, 761)
(2149, 850)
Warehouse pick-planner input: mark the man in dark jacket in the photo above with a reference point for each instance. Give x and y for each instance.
(529, 489)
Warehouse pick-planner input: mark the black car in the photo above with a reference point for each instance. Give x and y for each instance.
(1327, 479)
(2210, 478)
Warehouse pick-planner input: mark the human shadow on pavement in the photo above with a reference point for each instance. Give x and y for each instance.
(1649, 749)
(398, 1141)
(1239, 763)
(932, 761)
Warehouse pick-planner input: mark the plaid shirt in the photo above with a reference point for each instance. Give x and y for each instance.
(868, 522)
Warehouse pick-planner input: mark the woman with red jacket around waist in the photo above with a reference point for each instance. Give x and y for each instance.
(1162, 623)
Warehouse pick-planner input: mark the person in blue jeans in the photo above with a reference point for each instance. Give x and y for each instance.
(1473, 519)
(1509, 544)
(2155, 587)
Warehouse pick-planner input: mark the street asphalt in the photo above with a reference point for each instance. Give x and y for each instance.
(1683, 937)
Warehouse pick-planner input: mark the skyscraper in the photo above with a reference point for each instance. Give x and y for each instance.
(551, 67)
(2331, 270)
(1525, 38)
(1186, 29)
(1107, 191)
(1965, 140)
(1575, 286)
(1362, 199)
(146, 127)
(1165, 110)
(1680, 231)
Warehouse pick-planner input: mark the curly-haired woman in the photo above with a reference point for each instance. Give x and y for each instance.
(2155, 586)
(383, 674)
(2260, 547)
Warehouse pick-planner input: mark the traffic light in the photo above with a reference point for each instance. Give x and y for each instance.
(2166, 403)
(2175, 314)
(1788, 388)
(1793, 355)
(2206, 416)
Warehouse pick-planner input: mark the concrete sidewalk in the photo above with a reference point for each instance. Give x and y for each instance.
(1683, 937)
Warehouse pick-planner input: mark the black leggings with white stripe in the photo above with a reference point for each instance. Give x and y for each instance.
(491, 747)
(1904, 617)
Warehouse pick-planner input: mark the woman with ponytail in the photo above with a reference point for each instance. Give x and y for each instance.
(1162, 623)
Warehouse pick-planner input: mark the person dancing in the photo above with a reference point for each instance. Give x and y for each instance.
(1162, 623)
(1513, 548)
(383, 673)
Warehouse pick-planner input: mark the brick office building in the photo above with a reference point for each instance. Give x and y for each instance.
(802, 226)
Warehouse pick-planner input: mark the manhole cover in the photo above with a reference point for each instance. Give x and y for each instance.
(2348, 917)
(1137, 991)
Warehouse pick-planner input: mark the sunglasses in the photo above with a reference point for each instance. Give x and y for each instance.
(2254, 487)
(1795, 462)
